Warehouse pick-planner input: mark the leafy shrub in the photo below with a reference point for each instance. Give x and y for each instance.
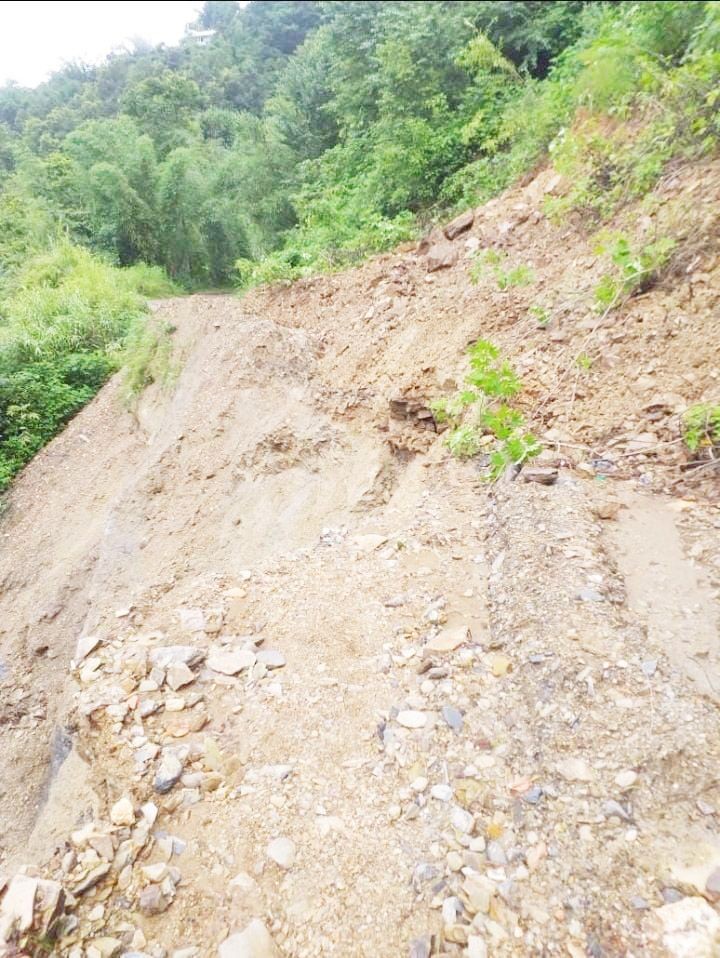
(701, 427)
(635, 270)
(65, 318)
(474, 414)
(520, 275)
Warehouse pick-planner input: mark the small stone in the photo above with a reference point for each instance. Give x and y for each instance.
(533, 795)
(638, 903)
(500, 665)
(712, 885)
(178, 674)
(253, 942)
(172, 654)
(122, 812)
(152, 901)
(168, 773)
(476, 947)
(85, 645)
(649, 667)
(156, 872)
(412, 719)
(282, 851)
(462, 820)
(449, 639)
(575, 770)
(420, 948)
(394, 812)
(496, 853)
(453, 717)
(271, 658)
(441, 792)
(590, 595)
(626, 779)
(612, 808)
(230, 662)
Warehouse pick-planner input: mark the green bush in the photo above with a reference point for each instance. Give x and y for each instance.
(701, 427)
(65, 319)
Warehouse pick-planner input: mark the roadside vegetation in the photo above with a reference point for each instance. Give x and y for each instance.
(305, 136)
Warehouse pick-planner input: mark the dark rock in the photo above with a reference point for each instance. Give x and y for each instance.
(543, 475)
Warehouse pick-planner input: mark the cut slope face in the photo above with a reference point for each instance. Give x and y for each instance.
(333, 682)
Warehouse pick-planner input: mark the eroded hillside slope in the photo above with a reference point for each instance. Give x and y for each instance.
(270, 655)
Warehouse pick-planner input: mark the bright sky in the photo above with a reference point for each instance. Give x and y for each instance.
(38, 37)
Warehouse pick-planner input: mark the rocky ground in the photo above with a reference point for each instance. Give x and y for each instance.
(281, 678)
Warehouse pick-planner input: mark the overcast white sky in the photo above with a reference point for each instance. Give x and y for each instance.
(38, 37)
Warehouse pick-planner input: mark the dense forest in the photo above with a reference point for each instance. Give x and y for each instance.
(284, 137)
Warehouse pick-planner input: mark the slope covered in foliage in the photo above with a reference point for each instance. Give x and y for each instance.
(282, 138)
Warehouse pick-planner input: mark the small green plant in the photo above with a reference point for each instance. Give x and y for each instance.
(483, 412)
(540, 315)
(584, 361)
(634, 271)
(701, 427)
(520, 275)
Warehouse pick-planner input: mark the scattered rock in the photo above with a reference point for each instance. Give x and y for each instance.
(412, 719)
(85, 645)
(271, 659)
(442, 255)
(452, 717)
(178, 674)
(459, 225)
(626, 779)
(282, 851)
(152, 901)
(449, 639)
(175, 655)
(122, 812)
(230, 662)
(575, 770)
(543, 475)
(168, 773)
(253, 942)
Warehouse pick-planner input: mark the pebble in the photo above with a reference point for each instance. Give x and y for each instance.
(626, 779)
(152, 901)
(253, 942)
(282, 851)
(533, 795)
(453, 717)
(271, 658)
(461, 819)
(168, 773)
(85, 645)
(476, 947)
(590, 595)
(443, 793)
(496, 853)
(409, 718)
(449, 639)
(122, 812)
(691, 928)
(230, 663)
(575, 770)
(178, 674)
(176, 654)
